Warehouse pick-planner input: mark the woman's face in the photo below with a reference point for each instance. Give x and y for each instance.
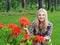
(41, 16)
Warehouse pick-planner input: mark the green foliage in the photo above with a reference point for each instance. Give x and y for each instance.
(19, 38)
(2, 42)
(16, 6)
(4, 34)
(6, 37)
(28, 42)
(49, 42)
(3, 5)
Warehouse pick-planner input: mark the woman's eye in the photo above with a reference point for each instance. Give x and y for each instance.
(39, 15)
(43, 14)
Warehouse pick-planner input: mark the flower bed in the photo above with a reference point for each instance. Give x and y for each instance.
(11, 34)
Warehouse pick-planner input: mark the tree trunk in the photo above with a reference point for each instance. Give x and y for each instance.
(49, 4)
(23, 3)
(8, 5)
(40, 2)
(55, 3)
(52, 5)
(0, 0)
(31, 3)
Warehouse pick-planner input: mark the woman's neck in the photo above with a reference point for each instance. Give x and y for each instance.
(41, 22)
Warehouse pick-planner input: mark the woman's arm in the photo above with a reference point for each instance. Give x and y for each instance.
(30, 32)
(48, 35)
(26, 29)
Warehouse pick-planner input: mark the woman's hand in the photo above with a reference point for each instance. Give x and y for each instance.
(46, 37)
(26, 29)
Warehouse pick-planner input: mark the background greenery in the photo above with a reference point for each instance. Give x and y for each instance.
(16, 5)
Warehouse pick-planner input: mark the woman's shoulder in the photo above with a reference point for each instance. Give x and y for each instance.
(33, 22)
(50, 23)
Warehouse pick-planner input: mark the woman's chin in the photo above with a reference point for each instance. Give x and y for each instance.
(42, 20)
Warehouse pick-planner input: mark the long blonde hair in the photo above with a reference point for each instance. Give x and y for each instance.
(45, 22)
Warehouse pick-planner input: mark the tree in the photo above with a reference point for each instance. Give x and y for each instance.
(8, 5)
(55, 3)
(0, 0)
(0, 4)
(23, 3)
(49, 4)
(40, 2)
(52, 5)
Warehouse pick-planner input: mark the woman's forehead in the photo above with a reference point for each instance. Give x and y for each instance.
(41, 12)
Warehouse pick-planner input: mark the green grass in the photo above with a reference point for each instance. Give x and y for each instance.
(53, 17)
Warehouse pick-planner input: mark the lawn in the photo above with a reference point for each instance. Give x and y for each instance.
(54, 17)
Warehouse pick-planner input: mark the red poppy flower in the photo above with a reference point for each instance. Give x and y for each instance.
(24, 21)
(2, 25)
(16, 31)
(42, 39)
(12, 26)
(39, 38)
(27, 36)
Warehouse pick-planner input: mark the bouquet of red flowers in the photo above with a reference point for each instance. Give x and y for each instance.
(24, 21)
(2, 25)
(39, 38)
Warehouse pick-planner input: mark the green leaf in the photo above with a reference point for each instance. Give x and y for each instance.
(8, 43)
(20, 37)
(10, 39)
(2, 42)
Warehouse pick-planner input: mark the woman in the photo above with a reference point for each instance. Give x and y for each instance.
(41, 26)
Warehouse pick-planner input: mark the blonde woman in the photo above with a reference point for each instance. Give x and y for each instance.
(41, 26)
